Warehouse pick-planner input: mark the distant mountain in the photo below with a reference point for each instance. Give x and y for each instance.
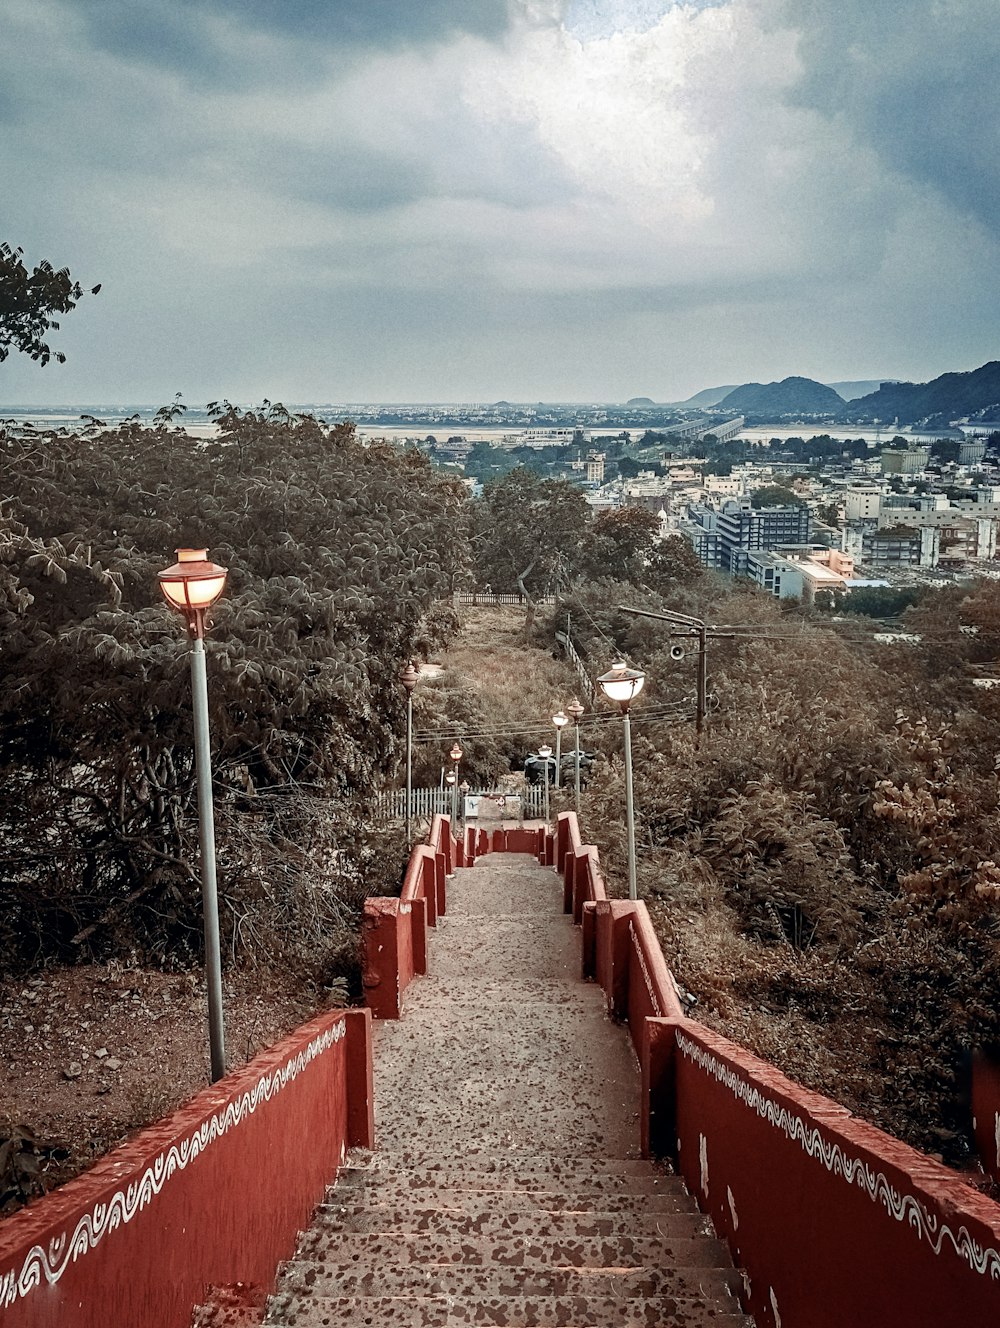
(948, 397)
(640, 401)
(709, 396)
(792, 396)
(862, 388)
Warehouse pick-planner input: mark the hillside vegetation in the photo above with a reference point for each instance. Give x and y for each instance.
(948, 397)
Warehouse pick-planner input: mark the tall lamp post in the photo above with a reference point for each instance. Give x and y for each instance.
(456, 756)
(622, 685)
(408, 678)
(560, 720)
(575, 710)
(544, 752)
(192, 585)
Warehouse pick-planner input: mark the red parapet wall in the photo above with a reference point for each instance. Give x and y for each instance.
(986, 1110)
(214, 1194)
(394, 931)
(834, 1222)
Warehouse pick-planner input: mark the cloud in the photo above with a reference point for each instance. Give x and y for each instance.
(402, 194)
(915, 80)
(195, 37)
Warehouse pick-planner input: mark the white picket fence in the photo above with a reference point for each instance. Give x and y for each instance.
(487, 597)
(528, 804)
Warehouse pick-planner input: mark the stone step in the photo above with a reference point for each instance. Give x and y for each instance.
(523, 1252)
(462, 1282)
(532, 1204)
(411, 1156)
(513, 1312)
(383, 1184)
(488, 1223)
(467, 1283)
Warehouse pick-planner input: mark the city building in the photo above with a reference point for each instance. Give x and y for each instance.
(908, 461)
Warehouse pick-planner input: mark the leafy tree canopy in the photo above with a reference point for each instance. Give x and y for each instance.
(28, 301)
(337, 552)
(775, 495)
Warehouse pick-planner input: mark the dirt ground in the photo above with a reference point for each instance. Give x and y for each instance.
(90, 1055)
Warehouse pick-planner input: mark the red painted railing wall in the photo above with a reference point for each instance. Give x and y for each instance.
(214, 1194)
(833, 1221)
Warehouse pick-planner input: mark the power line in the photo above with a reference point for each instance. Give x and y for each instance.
(668, 710)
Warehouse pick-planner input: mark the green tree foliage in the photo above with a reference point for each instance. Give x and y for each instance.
(822, 867)
(337, 550)
(620, 544)
(28, 301)
(528, 533)
(775, 495)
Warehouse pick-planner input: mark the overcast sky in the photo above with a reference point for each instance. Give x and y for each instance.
(417, 200)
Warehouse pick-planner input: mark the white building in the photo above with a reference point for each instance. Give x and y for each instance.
(862, 502)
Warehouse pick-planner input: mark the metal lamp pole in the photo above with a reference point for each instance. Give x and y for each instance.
(622, 684)
(560, 720)
(575, 710)
(544, 752)
(192, 585)
(456, 756)
(408, 677)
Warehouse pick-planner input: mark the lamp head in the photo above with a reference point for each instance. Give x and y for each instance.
(456, 753)
(545, 751)
(622, 684)
(408, 676)
(574, 710)
(450, 778)
(192, 585)
(560, 719)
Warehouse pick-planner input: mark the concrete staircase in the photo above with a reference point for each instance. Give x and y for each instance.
(507, 1188)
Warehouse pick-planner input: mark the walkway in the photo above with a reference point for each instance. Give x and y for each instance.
(507, 1188)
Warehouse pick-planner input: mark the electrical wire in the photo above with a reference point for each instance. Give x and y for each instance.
(681, 710)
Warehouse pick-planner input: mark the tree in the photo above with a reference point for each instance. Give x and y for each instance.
(674, 563)
(27, 302)
(528, 533)
(775, 495)
(338, 553)
(620, 543)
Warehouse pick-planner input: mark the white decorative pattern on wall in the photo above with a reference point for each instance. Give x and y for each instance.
(50, 1264)
(650, 989)
(903, 1207)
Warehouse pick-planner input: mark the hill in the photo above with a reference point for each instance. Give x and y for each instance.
(850, 391)
(792, 396)
(950, 396)
(708, 396)
(640, 401)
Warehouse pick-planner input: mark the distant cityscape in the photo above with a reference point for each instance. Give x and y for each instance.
(799, 502)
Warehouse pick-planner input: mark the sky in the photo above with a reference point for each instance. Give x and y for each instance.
(469, 200)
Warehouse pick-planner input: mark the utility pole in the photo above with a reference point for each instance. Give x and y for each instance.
(696, 629)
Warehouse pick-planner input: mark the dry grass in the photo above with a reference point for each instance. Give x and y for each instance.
(515, 678)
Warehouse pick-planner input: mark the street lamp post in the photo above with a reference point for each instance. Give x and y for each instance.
(456, 756)
(575, 710)
(192, 585)
(544, 752)
(560, 720)
(463, 788)
(408, 678)
(622, 685)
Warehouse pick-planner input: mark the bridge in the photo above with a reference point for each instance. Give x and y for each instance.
(522, 1128)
